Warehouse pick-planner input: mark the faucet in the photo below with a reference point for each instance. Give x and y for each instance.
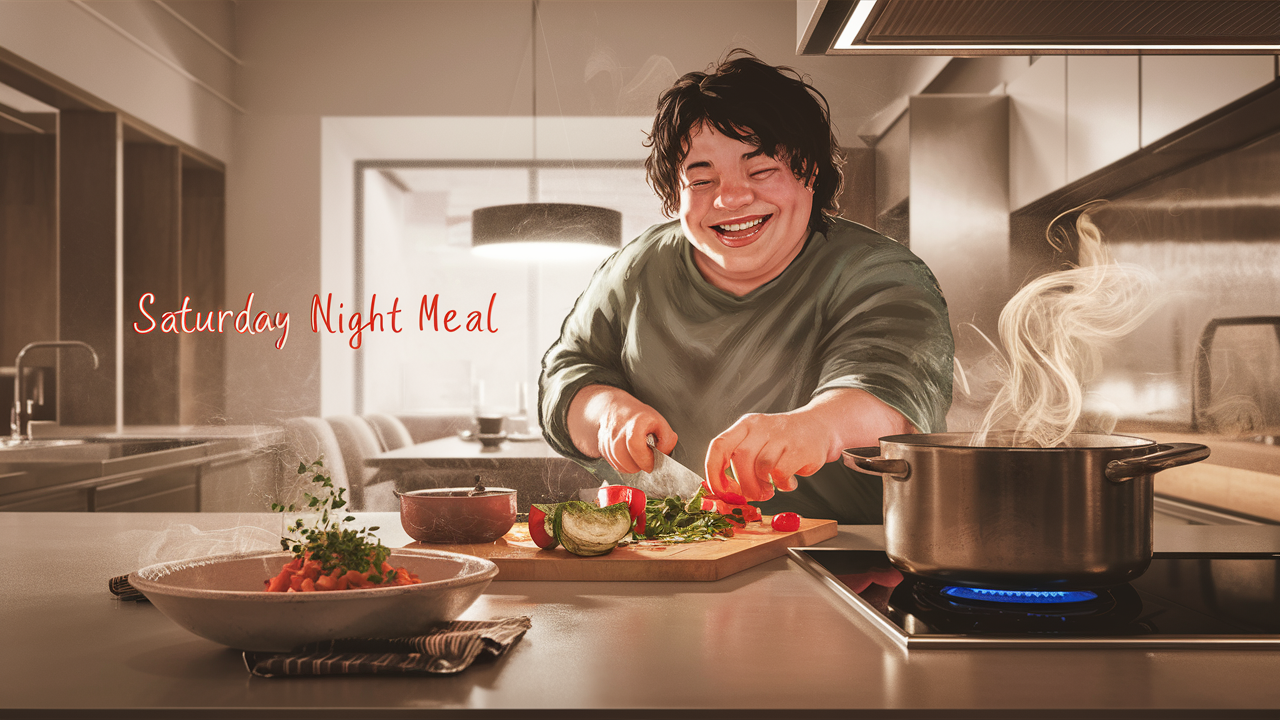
(16, 418)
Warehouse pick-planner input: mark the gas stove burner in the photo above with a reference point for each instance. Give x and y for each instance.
(955, 608)
(1022, 597)
(1185, 599)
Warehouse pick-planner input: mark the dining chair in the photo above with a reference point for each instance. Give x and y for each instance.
(358, 441)
(424, 427)
(391, 432)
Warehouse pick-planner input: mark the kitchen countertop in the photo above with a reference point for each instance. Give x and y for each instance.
(99, 455)
(1228, 451)
(769, 641)
(1240, 476)
(263, 433)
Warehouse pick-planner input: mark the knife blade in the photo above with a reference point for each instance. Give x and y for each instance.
(667, 478)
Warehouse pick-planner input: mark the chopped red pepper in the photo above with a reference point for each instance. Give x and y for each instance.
(749, 513)
(728, 495)
(634, 498)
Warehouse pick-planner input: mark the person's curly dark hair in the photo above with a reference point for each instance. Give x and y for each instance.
(768, 107)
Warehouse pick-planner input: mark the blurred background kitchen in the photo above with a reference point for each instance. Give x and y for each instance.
(213, 149)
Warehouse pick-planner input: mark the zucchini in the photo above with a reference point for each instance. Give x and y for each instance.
(586, 530)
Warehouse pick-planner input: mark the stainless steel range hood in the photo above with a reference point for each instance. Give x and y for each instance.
(1038, 27)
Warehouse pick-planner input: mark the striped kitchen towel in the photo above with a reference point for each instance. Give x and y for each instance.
(120, 587)
(448, 648)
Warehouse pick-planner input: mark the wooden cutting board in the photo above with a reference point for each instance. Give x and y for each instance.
(518, 558)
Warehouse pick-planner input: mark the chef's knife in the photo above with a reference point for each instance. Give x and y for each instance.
(667, 478)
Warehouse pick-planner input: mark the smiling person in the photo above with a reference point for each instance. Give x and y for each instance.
(759, 331)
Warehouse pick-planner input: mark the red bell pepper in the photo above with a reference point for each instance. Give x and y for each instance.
(750, 513)
(634, 498)
(538, 528)
(728, 496)
(730, 480)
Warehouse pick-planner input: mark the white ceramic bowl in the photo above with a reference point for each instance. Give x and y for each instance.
(222, 598)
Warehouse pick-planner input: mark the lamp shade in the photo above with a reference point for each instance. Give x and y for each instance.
(545, 231)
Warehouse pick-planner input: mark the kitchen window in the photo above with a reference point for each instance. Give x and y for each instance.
(415, 241)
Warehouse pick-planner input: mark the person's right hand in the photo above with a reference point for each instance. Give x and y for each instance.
(611, 423)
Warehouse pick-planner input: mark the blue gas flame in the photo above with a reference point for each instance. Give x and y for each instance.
(1019, 596)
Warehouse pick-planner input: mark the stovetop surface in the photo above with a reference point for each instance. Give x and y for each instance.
(1183, 599)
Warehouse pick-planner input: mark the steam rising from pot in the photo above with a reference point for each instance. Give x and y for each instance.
(1052, 334)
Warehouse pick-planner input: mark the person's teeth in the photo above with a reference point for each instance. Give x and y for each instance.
(742, 226)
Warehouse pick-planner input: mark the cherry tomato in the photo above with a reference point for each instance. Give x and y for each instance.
(785, 522)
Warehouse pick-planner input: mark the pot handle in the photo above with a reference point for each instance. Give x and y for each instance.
(1167, 455)
(868, 460)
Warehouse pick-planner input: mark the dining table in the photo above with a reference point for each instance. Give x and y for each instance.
(526, 464)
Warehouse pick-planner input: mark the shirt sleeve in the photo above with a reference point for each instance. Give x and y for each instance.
(888, 333)
(588, 352)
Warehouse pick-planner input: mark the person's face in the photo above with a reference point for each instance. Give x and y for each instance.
(746, 214)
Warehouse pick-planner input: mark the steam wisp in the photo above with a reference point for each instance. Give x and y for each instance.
(1052, 334)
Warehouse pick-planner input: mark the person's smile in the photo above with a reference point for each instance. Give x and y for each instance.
(740, 232)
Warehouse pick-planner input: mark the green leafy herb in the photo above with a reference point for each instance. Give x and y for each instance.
(326, 541)
(672, 521)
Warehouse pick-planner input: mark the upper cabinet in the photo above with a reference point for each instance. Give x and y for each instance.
(1177, 90)
(1037, 130)
(1102, 111)
(1070, 116)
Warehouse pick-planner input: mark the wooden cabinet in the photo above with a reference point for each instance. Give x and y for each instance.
(88, 244)
(98, 209)
(174, 490)
(28, 242)
(211, 476)
(64, 500)
(201, 371)
(153, 269)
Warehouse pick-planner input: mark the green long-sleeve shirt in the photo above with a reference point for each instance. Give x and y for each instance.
(853, 310)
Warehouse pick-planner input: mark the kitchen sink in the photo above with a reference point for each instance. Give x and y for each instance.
(85, 449)
(122, 447)
(11, 444)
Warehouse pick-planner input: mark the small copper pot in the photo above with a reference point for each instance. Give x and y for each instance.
(455, 515)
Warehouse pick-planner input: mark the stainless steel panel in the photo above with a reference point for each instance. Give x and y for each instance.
(960, 206)
(1211, 233)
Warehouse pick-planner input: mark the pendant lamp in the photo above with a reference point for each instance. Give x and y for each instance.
(540, 232)
(545, 231)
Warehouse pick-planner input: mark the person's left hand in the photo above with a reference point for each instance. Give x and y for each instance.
(769, 450)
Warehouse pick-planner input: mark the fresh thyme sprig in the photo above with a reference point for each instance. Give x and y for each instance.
(327, 542)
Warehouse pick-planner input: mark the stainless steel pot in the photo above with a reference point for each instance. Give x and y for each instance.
(1078, 515)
